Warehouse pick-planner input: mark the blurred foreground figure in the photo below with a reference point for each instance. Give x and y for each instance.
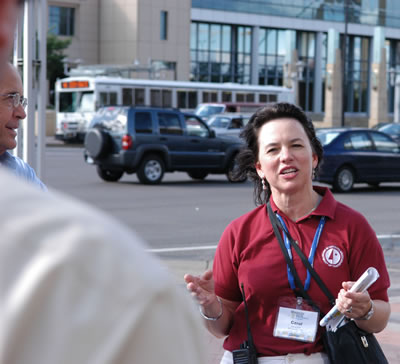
(8, 19)
(76, 287)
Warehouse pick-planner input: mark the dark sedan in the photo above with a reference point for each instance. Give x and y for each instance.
(358, 155)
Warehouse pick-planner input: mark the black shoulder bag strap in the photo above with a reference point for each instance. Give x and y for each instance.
(275, 222)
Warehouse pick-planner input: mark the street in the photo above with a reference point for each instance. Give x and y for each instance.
(181, 212)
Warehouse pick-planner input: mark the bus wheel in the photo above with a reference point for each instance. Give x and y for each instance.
(109, 175)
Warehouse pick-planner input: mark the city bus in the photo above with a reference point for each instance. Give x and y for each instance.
(78, 98)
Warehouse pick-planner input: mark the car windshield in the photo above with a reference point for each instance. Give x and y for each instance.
(219, 122)
(326, 136)
(207, 110)
(391, 128)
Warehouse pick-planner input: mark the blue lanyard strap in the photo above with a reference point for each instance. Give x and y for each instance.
(311, 256)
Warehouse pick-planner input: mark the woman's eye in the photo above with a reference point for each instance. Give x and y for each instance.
(297, 145)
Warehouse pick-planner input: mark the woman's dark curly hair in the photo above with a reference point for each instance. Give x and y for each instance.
(248, 156)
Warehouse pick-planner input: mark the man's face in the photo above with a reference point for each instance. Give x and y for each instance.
(8, 18)
(10, 115)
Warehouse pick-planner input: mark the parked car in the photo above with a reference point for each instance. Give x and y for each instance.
(392, 129)
(358, 155)
(228, 123)
(151, 141)
(206, 110)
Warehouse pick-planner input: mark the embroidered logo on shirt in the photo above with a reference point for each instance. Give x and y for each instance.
(332, 256)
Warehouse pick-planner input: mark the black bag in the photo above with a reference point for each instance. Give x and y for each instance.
(349, 345)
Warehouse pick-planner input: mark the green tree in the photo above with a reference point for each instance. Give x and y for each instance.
(55, 58)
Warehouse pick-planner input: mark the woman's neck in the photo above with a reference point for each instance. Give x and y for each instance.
(298, 205)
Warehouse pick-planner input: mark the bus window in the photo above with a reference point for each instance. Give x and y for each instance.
(77, 101)
(139, 96)
(108, 98)
(166, 98)
(127, 96)
(192, 99)
(250, 98)
(273, 98)
(242, 97)
(186, 99)
(209, 96)
(226, 96)
(155, 98)
(113, 98)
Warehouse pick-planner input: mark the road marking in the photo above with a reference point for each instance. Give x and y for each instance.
(182, 249)
(212, 247)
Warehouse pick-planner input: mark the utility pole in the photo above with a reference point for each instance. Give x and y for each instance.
(344, 57)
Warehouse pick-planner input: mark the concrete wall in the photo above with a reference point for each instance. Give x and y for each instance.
(85, 42)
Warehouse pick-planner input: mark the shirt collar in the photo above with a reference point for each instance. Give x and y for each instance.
(326, 207)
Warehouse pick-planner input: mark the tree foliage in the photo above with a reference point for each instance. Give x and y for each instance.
(55, 57)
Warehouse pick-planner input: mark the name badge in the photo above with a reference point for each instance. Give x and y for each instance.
(296, 323)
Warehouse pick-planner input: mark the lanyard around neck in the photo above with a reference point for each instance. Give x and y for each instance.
(311, 256)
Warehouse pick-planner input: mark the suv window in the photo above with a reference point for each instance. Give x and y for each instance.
(143, 122)
(195, 127)
(169, 123)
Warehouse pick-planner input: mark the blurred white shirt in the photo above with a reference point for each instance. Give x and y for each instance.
(77, 287)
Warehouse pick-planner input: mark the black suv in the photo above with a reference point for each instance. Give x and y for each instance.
(149, 141)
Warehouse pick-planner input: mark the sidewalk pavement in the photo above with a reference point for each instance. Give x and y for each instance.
(388, 338)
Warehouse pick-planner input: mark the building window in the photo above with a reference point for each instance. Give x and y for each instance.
(271, 51)
(220, 53)
(61, 20)
(357, 74)
(163, 25)
(306, 52)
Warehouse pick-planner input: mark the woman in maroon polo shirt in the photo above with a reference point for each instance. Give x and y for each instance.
(282, 155)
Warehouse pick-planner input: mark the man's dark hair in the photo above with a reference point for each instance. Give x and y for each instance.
(247, 158)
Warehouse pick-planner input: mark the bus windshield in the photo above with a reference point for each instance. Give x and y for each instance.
(77, 101)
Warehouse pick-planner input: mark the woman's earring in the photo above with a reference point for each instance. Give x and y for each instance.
(264, 187)
(313, 173)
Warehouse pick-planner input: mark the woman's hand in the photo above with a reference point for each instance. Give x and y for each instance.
(357, 305)
(201, 287)
(352, 304)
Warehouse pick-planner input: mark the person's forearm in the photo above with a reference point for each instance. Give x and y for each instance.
(379, 319)
(221, 326)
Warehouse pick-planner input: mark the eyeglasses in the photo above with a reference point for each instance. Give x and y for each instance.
(17, 99)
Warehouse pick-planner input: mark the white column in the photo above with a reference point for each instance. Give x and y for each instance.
(42, 83)
(396, 118)
(317, 74)
(254, 55)
(29, 122)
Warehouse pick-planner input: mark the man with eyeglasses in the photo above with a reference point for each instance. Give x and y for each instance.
(12, 110)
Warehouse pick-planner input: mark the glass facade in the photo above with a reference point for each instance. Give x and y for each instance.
(393, 64)
(220, 53)
(370, 12)
(357, 74)
(271, 56)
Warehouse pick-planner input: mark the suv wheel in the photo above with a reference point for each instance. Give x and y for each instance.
(198, 174)
(109, 175)
(151, 170)
(230, 173)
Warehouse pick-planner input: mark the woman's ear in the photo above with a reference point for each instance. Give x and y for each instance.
(259, 170)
